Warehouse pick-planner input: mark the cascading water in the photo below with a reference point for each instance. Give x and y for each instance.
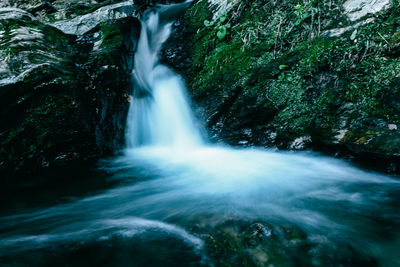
(174, 194)
(159, 113)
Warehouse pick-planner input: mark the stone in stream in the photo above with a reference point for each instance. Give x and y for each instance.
(238, 242)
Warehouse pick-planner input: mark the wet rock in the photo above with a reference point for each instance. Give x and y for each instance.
(377, 139)
(340, 135)
(357, 9)
(243, 142)
(392, 127)
(301, 143)
(44, 6)
(370, 141)
(262, 231)
(340, 31)
(234, 242)
(62, 97)
(83, 24)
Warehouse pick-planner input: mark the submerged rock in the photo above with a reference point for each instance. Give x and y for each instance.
(235, 242)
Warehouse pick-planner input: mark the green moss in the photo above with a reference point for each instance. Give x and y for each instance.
(111, 35)
(197, 14)
(275, 52)
(395, 39)
(224, 65)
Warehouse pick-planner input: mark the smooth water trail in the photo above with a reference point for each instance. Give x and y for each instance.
(159, 113)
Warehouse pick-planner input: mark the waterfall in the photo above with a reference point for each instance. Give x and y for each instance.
(162, 202)
(159, 113)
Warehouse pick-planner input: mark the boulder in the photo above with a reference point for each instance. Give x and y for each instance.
(340, 31)
(62, 97)
(357, 9)
(85, 23)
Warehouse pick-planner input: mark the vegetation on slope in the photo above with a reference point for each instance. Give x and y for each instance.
(290, 73)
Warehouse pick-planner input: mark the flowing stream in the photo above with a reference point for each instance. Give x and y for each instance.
(178, 201)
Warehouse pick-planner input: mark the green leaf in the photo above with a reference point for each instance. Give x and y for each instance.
(208, 23)
(223, 17)
(228, 25)
(306, 15)
(12, 133)
(282, 76)
(221, 32)
(281, 67)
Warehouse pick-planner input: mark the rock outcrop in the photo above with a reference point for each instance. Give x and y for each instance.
(63, 92)
(358, 9)
(83, 24)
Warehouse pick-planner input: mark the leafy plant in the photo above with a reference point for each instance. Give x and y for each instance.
(302, 13)
(219, 25)
(282, 67)
(221, 32)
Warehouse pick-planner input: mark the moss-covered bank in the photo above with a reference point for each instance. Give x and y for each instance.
(297, 74)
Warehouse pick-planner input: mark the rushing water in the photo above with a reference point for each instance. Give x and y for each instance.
(180, 202)
(159, 113)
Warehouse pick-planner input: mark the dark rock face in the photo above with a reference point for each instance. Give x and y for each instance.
(63, 95)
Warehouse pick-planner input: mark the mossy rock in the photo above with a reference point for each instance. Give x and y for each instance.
(256, 243)
(63, 99)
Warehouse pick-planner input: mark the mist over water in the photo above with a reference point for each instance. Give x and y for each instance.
(169, 179)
